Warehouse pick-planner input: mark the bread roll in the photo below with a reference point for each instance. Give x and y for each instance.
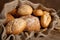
(38, 12)
(33, 23)
(25, 10)
(45, 19)
(16, 26)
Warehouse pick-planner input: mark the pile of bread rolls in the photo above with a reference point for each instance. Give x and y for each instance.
(28, 19)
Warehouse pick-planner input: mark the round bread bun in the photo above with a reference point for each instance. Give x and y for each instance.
(16, 26)
(33, 23)
(38, 12)
(25, 10)
(45, 19)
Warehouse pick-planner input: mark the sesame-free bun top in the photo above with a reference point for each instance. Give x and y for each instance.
(33, 23)
(25, 10)
(16, 26)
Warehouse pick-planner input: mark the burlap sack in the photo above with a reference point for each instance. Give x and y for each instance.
(12, 5)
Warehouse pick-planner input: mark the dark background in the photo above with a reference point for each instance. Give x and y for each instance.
(48, 3)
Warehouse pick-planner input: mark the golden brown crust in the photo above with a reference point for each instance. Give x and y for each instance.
(38, 12)
(45, 19)
(25, 10)
(33, 23)
(16, 26)
(9, 17)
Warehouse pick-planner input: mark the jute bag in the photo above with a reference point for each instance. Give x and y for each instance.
(12, 5)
